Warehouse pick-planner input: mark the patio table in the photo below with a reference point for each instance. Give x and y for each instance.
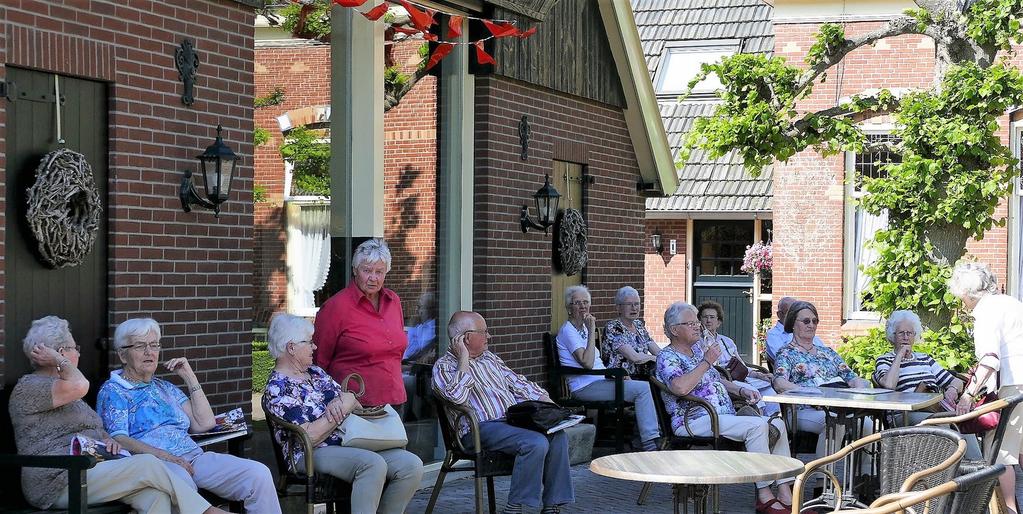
(695, 473)
(844, 403)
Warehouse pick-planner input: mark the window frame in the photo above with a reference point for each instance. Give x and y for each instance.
(708, 45)
(852, 195)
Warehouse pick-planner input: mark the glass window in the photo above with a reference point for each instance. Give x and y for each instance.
(721, 246)
(864, 225)
(680, 65)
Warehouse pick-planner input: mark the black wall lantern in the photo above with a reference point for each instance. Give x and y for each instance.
(218, 165)
(546, 207)
(657, 243)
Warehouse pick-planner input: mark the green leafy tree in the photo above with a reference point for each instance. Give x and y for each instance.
(954, 169)
(309, 152)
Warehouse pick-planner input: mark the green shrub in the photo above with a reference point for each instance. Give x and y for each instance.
(952, 351)
(262, 364)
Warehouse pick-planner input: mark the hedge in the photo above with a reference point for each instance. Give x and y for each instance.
(262, 363)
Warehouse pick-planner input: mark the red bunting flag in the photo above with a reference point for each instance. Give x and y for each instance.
(439, 53)
(455, 27)
(405, 30)
(430, 37)
(349, 3)
(482, 57)
(524, 35)
(421, 20)
(375, 13)
(500, 29)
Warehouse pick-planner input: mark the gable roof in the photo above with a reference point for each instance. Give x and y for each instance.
(705, 185)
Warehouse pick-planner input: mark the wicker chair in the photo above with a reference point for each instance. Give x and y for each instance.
(966, 494)
(482, 463)
(316, 487)
(908, 458)
(670, 441)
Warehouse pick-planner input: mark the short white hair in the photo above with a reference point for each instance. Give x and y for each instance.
(571, 291)
(50, 331)
(285, 328)
(898, 317)
(372, 250)
(624, 293)
(135, 327)
(972, 280)
(673, 316)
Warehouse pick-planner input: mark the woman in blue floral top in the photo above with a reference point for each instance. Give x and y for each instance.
(306, 395)
(626, 342)
(685, 368)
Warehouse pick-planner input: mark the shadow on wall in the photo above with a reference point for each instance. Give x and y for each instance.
(412, 266)
(271, 242)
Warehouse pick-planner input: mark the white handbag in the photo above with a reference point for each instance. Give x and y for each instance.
(371, 429)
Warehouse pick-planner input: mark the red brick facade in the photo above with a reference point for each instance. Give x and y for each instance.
(190, 271)
(512, 270)
(809, 191)
(666, 275)
(410, 173)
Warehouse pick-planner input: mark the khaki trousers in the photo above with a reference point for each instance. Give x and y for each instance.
(143, 482)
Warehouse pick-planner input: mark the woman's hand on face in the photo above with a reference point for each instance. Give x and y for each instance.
(589, 321)
(45, 357)
(905, 351)
(181, 367)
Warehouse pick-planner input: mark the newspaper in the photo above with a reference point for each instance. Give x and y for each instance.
(85, 445)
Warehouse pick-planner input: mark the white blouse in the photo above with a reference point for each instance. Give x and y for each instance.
(998, 329)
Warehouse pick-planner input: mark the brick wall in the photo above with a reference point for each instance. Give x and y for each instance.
(666, 275)
(410, 173)
(809, 191)
(190, 271)
(512, 270)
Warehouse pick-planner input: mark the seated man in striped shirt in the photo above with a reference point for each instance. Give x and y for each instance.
(902, 369)
(472, 376)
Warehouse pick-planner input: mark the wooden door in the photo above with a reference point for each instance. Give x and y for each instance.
(567, 178)
(33, 290)
(719, 247)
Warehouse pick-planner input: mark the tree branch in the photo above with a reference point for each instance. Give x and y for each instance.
(801, 125)
(896, 27)
(393, 94)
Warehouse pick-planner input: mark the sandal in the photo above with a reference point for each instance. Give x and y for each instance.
(772, 506)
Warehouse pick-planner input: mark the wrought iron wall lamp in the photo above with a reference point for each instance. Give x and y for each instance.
(546, 199)
(218, 164)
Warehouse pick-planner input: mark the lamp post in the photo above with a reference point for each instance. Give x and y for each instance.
(218, 164)
(546, 199)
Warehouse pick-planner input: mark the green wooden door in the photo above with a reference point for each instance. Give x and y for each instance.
(719, 246)
(33, 290)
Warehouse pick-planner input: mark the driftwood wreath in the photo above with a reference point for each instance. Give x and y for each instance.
(569, 242)
(64, 208)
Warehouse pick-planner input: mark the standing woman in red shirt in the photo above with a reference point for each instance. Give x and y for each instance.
(361, 329)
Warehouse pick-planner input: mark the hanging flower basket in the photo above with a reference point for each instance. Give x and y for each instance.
(758, 258)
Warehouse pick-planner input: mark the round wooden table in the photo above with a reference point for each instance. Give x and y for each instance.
(693, 472)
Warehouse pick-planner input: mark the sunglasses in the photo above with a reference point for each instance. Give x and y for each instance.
(807, 321)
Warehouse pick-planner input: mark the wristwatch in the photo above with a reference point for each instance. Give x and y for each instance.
(62, 364)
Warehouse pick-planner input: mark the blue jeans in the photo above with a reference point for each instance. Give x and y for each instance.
(540, 461)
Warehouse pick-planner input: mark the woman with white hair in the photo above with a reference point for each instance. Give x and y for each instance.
(361, 329)
(302, 393)
(47, 412)
(998, 343)
(626, 343)
(902, 369)
(577, 349)
(150, 415)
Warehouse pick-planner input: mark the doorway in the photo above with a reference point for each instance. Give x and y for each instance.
(567, 178)
(719, 247)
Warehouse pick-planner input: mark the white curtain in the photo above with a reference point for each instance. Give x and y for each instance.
(308, 254)
(866, 226)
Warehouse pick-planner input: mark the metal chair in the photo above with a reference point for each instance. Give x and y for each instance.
(906, 458)
(482, 463)
(317, 487)
(670, 441)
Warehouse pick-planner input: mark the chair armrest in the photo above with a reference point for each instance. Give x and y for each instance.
(295, 434)
(68, 462)
(474, 428)
(610, 373)
(817, 466)
(950, 418)
(758, 368)
(696, 401)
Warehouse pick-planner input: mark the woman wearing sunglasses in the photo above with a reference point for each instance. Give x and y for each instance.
(800, 363)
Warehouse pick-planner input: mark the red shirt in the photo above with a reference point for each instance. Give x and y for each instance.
(351, 336)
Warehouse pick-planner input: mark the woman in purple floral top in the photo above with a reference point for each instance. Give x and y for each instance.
(626, 342)
(306, 395)
(685, 368)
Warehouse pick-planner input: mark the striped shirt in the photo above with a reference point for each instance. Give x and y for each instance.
(920, 369)
(489, 388)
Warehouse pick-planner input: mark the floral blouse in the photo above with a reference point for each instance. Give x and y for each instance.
(301, 402)
(672, 364)
(808, 370)
(617, 335)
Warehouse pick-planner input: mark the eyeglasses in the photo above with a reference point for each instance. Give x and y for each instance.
(484, 332)
(709, 317)
(906, 333)
(76, 348)
(580, 303)
(634, 305)
(296, 343)
(690, 324)
(807, 321)
(141, 347)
